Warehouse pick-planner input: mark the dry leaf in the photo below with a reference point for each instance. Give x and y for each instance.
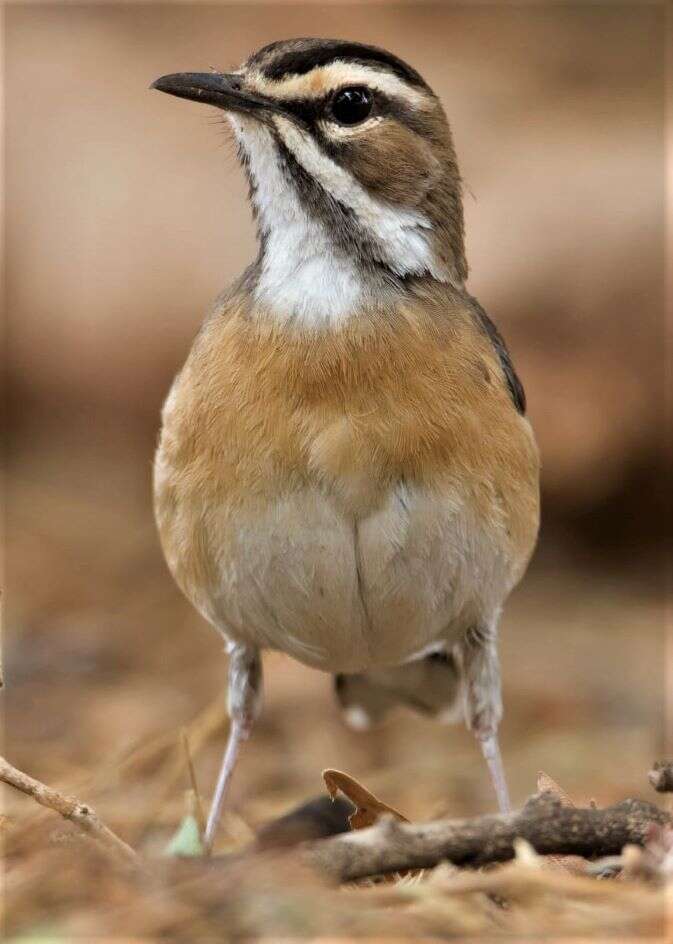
(545, 782)
(368, 808)
(576, 865)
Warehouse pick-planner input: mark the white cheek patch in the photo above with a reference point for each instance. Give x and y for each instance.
(303, 279)
(403, 234)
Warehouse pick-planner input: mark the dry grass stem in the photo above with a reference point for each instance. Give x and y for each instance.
(198, 802)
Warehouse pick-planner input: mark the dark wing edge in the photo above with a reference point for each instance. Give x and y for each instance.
(516, 390)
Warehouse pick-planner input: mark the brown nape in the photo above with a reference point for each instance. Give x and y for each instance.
(443, 204)
(444, 207)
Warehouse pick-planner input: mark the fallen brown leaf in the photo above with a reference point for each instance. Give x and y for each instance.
(368, 808)
(545, 782)
(576, 865)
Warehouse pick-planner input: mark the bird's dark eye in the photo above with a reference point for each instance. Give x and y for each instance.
(350, 106)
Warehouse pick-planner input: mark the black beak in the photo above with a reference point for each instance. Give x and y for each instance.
(213, 88)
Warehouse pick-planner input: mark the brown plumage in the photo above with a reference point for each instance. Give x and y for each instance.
(259, 411)
(344, 472)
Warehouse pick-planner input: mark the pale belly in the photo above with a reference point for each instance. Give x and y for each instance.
(342, 595)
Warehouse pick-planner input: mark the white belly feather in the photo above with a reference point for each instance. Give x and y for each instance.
(304, 578)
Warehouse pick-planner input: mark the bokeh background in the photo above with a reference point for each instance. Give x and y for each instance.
(126, 214)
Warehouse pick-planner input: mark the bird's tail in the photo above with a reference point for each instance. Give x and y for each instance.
(430, 685)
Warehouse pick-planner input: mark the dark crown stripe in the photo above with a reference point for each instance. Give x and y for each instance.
(300, 59)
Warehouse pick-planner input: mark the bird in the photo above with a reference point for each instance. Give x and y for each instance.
(345, 471)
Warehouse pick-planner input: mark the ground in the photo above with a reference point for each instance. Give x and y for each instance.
(106, 664)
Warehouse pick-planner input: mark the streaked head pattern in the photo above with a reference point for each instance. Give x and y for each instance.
(353, 176)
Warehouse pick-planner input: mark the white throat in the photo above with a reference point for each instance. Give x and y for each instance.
(305, 278)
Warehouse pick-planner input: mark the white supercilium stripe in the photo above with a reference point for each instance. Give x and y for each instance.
(324, 79)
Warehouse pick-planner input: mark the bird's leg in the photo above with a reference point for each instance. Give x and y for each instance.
(483, 702)
(244, 703)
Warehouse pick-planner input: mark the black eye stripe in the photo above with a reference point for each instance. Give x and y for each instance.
(308, 110)
(312, 110)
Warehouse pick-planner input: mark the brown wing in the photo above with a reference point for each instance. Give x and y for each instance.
(515, 386)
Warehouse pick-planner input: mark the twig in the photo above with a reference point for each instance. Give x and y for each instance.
(661, 776)
(550, 827)
(71, 809)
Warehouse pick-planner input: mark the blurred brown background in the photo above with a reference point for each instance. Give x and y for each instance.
(127, 214)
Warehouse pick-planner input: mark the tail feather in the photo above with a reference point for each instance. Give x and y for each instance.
(430, 685)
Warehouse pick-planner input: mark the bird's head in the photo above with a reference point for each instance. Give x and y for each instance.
(349, 156)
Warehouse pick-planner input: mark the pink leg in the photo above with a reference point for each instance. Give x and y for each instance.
(483, 703)
(491, 751)
(244, 703)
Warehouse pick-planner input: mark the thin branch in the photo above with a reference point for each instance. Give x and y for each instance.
(550, 827)
(83, 816)
(661, 776)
